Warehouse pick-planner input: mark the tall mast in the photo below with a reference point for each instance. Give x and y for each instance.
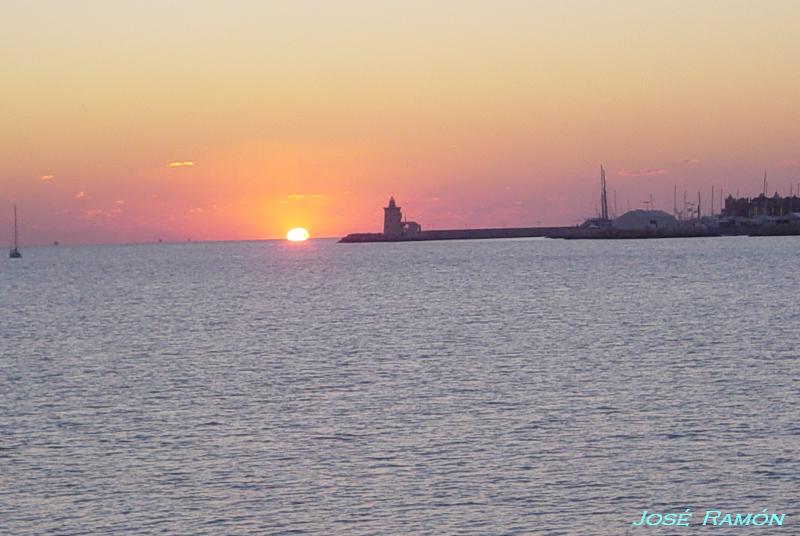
(675, 200)
(16, 237)
(603, 195)
(699, 212)
(712, 199)
(685, 207)
(615, 204)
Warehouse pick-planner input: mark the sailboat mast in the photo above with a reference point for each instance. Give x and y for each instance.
(16, 236)
(14, 253)
(603, 195)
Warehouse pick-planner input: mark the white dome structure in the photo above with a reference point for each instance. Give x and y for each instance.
(645, 220)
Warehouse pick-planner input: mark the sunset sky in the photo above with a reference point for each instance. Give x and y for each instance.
(132, 121)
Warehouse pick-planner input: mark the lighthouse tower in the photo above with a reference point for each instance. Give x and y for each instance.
(392, 220)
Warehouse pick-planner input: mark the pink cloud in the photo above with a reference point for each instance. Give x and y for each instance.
(47, 177)
(641, 172)
(97, 213)
(789, 163)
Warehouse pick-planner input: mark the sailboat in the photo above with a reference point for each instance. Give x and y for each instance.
(14, 253)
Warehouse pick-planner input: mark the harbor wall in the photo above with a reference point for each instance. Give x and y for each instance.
(578, 233)
(458, 234)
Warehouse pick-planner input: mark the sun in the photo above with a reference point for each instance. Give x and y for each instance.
(298, 234)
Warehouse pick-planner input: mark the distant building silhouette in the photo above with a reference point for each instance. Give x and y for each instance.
(745, 207)
(393, 224)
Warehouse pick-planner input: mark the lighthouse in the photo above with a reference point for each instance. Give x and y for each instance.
(394, 227)
(392, 220)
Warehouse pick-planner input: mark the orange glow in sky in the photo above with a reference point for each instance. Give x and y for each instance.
(137, 121)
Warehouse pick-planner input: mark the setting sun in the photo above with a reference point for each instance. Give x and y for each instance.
(298, 234)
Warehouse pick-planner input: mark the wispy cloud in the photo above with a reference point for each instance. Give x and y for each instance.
(187, 163)
(304, 196)
(91, 213)
(214, 208)
(98, 213)
(80, 195)
(641, 172)
(47, 177)
(789, 163)
(691, 161)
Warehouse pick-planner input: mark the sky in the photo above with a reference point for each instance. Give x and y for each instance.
(133, 121)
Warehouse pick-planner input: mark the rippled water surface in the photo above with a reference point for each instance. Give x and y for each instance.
(476, 387)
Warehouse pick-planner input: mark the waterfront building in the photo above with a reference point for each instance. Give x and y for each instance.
(745, 207)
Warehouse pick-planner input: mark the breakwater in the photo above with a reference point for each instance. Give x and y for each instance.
(459, 234)
(579, 233)
(573, 233)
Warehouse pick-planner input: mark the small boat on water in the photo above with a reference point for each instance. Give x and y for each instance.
(14, 253)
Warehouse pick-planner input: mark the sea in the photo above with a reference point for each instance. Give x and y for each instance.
(528, 386)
